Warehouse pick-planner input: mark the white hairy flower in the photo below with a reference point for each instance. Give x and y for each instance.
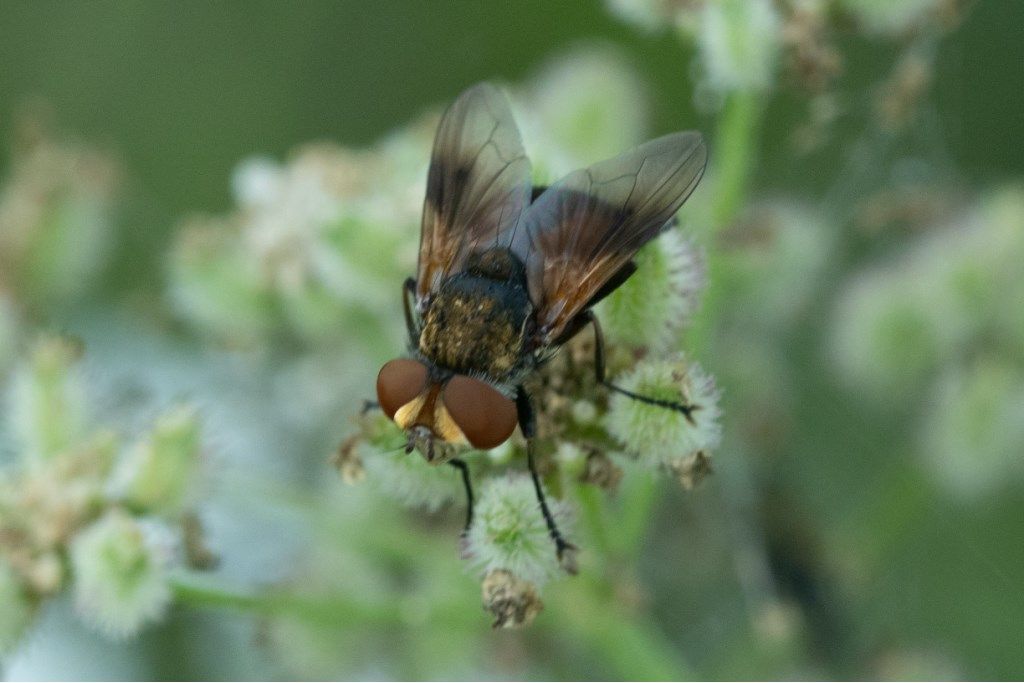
(120, 582)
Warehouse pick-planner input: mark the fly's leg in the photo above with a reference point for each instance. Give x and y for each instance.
(408, 292)
(464, 469)
(565, 551)
(687, 409)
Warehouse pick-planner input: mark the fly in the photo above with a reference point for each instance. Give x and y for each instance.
(508, 273)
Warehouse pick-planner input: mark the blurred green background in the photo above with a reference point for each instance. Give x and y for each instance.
(838, 538)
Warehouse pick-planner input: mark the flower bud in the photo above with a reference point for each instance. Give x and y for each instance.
(158, 474)
(56, 210)
(509, 532)
(659, 436)
(119, 575)
(894, 325)
(582, 108)
(217, 287)
(47, 403)
(1001, 213)
(973, 434)
(739, 41)
(655, 303)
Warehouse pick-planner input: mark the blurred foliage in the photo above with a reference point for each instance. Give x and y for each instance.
(230, 218)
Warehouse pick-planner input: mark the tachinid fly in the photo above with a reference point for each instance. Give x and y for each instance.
(508, 273)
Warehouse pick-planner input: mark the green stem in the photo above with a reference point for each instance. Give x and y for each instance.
(592, 515)
(735, 156)
(630, 648)
(638, 500)
(333, 609)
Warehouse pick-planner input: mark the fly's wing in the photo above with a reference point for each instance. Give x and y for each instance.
(586, 227)
(477, 186)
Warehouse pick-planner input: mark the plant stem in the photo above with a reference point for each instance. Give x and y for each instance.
(735, 156)
(630, 648)
(594, 519)
(333, 609)
(639, 497)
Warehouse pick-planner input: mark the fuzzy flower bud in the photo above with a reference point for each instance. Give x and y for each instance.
(56, 212)
(656, 302)
(217, 287)
(119, 578)
(159, 472)
(583, 107)
(509, 532)
(658, 436)
(1001, 244)
(972, 437)
(47, 405)
(739, 41)
(895, 325)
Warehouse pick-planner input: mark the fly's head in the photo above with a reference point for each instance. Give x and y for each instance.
(440, 415)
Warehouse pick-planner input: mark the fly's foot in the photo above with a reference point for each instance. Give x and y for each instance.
(567, 556)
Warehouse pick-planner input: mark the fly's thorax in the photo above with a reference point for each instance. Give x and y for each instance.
(498, 263)
(478, 325)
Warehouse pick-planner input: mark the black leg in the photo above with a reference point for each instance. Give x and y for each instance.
(685, 409)
(527, 422)
(464, 469)
(408, 290)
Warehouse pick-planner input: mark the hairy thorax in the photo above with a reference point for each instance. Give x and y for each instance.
(477, 322)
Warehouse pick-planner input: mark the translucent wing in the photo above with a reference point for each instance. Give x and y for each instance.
(477, 186)
(586, 227)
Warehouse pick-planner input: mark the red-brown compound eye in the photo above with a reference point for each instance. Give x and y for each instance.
(482, 412)
(398, 382)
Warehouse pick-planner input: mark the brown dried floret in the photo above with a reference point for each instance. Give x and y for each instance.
(514, 603)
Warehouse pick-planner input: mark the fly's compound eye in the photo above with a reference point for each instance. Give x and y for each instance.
(485, 416)
(399, 382)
